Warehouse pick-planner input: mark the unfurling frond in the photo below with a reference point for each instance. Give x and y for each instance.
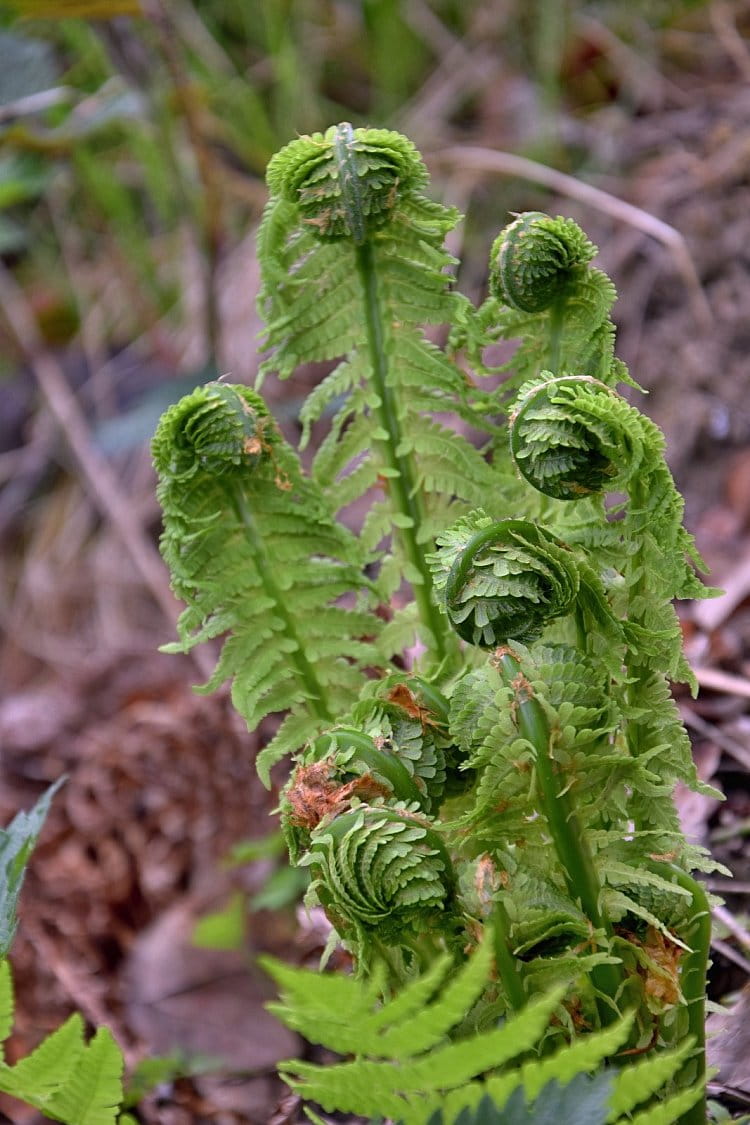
(347, 182)
(255, 554)
(353, 267)
(545, 294)
(536, 261)
(503, 580)
(382, 873)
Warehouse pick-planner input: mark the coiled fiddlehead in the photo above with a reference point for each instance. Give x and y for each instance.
(545, 293)
(537, 260)
(217, 429)
(346, 182)
(341, 767)
(503, 580)
(572, 436)
(382, 875)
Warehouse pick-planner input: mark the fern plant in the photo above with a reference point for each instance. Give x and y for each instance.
(503, 746)
(407, 1068)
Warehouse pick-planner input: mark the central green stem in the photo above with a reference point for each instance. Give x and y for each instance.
(314, 690)
(556, 325)
(399, 471)
(572, 850)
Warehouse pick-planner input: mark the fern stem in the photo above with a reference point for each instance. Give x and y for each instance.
(507, 965)
(697, 935)
(570, 844)
(316, 695)
(401, 483)
(556, 324)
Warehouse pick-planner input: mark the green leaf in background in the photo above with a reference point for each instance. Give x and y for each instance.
(16, 845)
(21, 178)
(224, 929)
(284, 887)
(76, 9)
(265, 847)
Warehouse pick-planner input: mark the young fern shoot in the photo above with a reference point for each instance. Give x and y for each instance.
(518, 775)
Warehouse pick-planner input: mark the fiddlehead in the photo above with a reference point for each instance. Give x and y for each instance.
(339, 768)
(573, 436)
(383, 876)
(242, 529)
(217, 430)
(346, 183)
(545, 293)
(536, 261)
(503, 580)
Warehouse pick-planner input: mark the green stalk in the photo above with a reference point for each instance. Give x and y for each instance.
(556, 324)
(400, 475)
(507, 965)
(572, 850)
(696, 935)
(315, 691)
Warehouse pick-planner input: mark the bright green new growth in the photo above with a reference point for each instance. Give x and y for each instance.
(242, 529)
(504, 748)
(408, 1066)
(65, 1078)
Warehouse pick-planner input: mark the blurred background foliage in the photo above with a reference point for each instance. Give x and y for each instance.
(134, 134)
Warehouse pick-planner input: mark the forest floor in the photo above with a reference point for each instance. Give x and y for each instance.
(161, 783)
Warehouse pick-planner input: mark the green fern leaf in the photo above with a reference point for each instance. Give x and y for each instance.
(370, 1087)
(17, 842)
(242, 530)
(66, 1079)
(669, 1111)
(93, 1092)
(644, 1078)
(582, 1102)
(44, 1071)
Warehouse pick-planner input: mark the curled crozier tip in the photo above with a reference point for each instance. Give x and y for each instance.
(347, 182)
(216, 429)
(381, 871)
(534, 261)
(567, 439)
(504, 581)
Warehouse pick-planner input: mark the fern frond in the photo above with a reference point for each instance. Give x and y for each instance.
(582, 1102)
(403, 1090)
(545, 294)
(381, 873)
(353, 268)
(65, 1078)
(254, 553)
